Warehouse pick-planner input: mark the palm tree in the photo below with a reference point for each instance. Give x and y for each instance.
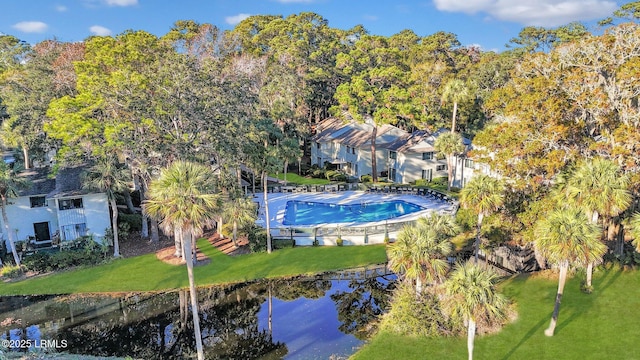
(109, 176)
(289, 151)
(184, 196)
(10, 184)
(484, 195)
(448, 145)
(567, 237)
(455, 91)
(473, 296)
(599, 187)
(242, 211)
(634, 224)
(419, 253)
(443, 225)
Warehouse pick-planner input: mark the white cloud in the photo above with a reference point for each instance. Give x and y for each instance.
(31, 26)
(100, 30)
(548, 13)
(235, 19)
(121, 2)
(61, 8)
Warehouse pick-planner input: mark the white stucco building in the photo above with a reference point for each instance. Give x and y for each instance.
(405, 157)
(56, 208)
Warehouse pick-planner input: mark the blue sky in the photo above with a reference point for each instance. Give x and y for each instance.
(486, 23)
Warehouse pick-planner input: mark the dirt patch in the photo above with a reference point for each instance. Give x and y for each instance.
(167, 255)
(134, 245)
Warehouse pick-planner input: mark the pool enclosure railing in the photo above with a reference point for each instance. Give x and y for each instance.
(377, 233)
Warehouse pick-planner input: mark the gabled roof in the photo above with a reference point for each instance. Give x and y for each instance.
(327, 129)
(349, 134)
(356, 135)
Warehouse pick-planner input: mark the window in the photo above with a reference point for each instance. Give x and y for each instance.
(427, 155)
(38, 201)
(441, 167)
(393, 155)
(318, 145)
(353, 150)
(348, 149)
(427, 174)
(468, 163)
(67, 204)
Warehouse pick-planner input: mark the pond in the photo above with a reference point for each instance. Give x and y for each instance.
(310, 318)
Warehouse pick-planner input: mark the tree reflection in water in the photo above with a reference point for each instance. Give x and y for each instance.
(157, 326)
(359, 309)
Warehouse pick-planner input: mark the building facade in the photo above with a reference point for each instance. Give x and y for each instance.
(56, 209)
(401, 156)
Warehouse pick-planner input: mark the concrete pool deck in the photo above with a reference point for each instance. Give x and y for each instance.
(278, 203)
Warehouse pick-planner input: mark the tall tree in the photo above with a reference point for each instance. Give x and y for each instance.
(449, 144)
(111, 177)
(565, 237)
(600, 188)
(376, 93)
(484, 195)
(45, 73)
(473, 296)
(455, 91)
(290, 151)
(263, 155)
(184, 196)
(10, 184)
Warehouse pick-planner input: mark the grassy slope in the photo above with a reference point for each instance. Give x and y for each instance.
(146, 273)
(602, 325)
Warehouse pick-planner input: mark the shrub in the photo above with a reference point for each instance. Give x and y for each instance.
(335, 175)
(421, 182)
(467, 219)
(257, 238)
(37, 262)
(339, 241)
(318, 173)
(366, 178)
(134, 221)
(12, 271)
(282, 243)
(417, 315)
(79, 252)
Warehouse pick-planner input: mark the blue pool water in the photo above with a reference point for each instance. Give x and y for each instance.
(312, 213)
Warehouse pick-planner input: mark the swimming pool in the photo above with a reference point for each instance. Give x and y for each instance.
(313, 213)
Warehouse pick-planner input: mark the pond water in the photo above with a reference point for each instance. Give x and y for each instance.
(317, 318)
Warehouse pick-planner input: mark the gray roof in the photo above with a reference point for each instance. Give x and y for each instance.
(69, 183)
(39, 182)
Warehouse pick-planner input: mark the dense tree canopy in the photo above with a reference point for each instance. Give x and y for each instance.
(246, 97)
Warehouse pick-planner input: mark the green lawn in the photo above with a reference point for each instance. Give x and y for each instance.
(602, 325)
(146, 273)
(295, 179)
